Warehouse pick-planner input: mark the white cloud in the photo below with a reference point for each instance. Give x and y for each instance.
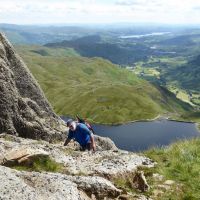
(128, 2)
(85, 11)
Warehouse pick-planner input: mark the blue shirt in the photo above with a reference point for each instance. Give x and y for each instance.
(81, 134)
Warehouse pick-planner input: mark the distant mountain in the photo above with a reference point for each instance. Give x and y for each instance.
(179, 40)
(33, 34)
(42, 34)
(95, 46)
(96, 88)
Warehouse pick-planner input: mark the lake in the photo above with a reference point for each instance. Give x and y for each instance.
(139, 136)
(143, 35)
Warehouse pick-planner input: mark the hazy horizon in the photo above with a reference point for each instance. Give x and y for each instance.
(104, 24)
(181, 12)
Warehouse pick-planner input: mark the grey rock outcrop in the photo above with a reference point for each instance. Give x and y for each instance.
(41, 186)
(106, 163)
(14, 185)
(92, 186)
(24, 109)
(85, 175)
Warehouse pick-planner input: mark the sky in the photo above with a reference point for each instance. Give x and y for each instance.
(99, 11)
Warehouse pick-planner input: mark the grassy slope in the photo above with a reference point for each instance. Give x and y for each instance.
(95, 88)
(180, 162)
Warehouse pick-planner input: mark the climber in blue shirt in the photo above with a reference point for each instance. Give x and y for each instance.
(80, 133)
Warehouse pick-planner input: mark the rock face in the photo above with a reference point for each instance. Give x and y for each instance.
(24, 109)
(15, 185)
(97, 186)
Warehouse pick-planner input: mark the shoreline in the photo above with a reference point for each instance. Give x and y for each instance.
(128, 122)
(158, 117)
(197, 126)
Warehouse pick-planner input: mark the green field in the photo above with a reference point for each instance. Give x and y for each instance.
(96, 88)
(172, 73)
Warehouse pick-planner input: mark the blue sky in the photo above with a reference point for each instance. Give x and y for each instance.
(99, 11)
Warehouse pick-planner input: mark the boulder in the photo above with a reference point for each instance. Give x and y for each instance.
(104, 143)
(23, 156)
(97, 186)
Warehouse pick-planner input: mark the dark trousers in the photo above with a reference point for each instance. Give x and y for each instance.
(86, 147)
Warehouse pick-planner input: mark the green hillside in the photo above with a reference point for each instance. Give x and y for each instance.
(187, 75)
(117, 52)
(95, 88)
